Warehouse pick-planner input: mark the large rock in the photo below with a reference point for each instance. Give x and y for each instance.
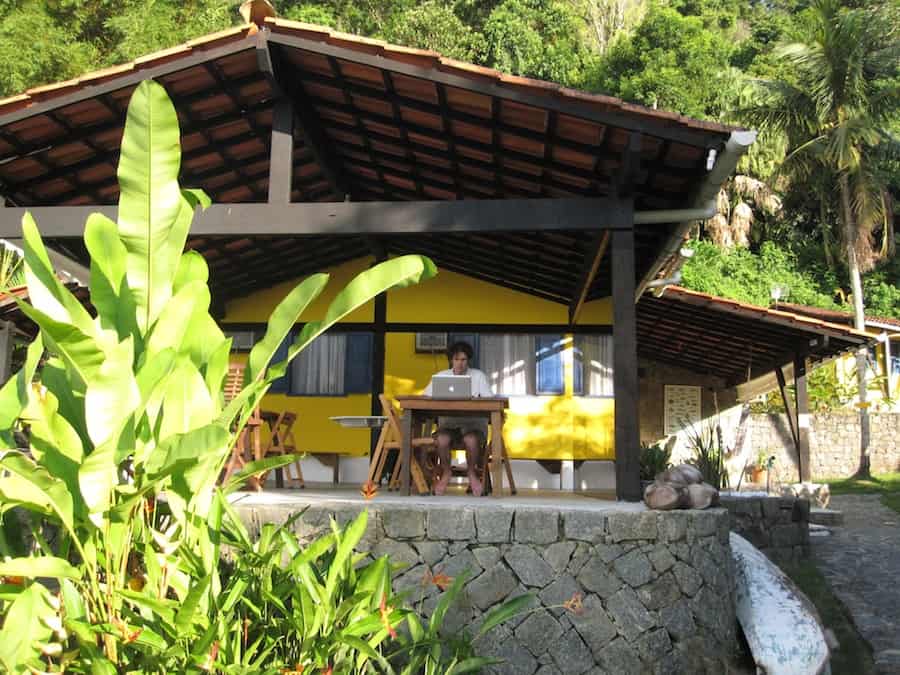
(539, 632)
(631, 526)
(678, 620)
(619, 657)
(535, 526)
(404, 523)
(664, 496)
(572, 655)
(702, 495)
(493, 525)
(450, 524)
(629, 615)
(558, 554)
(597, 577)
(492, 587)
(594, 625)
(634, 568)
(529, 566)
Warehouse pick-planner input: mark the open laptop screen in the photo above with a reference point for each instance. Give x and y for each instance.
(451, 386)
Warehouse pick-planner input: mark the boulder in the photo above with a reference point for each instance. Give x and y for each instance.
(664, 496)
(683, 474)
(702, 495)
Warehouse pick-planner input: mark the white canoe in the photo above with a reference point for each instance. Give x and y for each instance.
(780, 624)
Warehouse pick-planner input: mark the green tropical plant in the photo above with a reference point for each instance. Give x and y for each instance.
(654, 459)
(128, 428)
(10, 268)
(836, 113)
(708, 453)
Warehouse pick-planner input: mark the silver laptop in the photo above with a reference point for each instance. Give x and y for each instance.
(451, 386)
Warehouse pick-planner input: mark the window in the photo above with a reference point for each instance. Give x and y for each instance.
(241, 340)
(508, 361)
(593, 365)
(522, 365)
(319, 369)
(334, 364)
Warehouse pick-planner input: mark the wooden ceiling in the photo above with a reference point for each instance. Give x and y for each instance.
(374, 122)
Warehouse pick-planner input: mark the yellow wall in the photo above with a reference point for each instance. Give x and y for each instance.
(455, 298)
(538, 427)
(258, 306)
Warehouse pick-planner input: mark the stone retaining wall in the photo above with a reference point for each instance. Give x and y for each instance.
(778, 526)
(656, 587)
(833, 444)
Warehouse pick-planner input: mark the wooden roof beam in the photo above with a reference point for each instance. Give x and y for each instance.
(623, 187)
(304, 122)
(347, 218)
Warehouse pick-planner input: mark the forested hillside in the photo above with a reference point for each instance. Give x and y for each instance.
(813, 201)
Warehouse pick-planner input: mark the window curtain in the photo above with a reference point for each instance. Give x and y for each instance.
(319, 369)
(509, 363)
(596, 363)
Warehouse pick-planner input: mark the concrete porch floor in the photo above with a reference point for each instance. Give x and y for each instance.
(598, 501)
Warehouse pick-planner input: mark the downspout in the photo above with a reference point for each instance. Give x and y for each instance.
(703, 205)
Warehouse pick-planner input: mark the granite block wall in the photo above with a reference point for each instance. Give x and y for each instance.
(834, 444)
(778, 526)
(656, 587)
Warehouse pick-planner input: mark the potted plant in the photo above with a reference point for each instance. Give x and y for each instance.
(759, 467)
(655, 459)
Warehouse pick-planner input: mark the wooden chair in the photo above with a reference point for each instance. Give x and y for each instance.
(234, 382)
(282, 442)
(391, 438)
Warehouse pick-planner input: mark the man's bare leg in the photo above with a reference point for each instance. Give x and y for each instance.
(472, 442)
(443, 462)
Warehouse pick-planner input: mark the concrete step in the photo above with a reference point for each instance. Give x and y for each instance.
(828, 517)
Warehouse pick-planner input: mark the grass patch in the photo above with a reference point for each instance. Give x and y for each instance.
(854, 656)
(885, 484)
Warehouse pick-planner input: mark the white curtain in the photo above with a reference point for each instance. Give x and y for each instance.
(596, 364)
(319, 369)
(509, 363)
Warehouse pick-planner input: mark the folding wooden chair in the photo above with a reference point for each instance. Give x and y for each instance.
(234, 382)
(281, 442)
(391, 438)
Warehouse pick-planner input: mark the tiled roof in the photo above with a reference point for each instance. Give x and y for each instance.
(836, 316)
(733, 340)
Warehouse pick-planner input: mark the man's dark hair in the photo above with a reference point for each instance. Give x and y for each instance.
(458, 347)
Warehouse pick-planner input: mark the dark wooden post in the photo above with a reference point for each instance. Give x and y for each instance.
(625, 376)
(281, 152)
(802, 416)
(378, 347)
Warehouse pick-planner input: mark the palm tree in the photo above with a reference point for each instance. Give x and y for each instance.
(835, 113)
(11, 273)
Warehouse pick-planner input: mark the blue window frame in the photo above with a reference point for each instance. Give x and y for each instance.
(352, 363)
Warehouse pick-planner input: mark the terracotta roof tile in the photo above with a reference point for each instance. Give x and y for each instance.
(53, 90)
(696, 297)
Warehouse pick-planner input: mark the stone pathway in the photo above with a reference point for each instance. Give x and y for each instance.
(861, 560)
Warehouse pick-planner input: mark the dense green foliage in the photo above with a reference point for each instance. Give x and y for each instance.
(705, 58)
(128, 431)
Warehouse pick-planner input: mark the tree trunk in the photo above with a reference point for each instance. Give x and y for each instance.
(859, 322)
(826, 236)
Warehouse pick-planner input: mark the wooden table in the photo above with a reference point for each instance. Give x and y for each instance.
(417, 409)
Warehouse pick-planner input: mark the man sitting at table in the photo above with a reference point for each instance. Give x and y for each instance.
(471, 432)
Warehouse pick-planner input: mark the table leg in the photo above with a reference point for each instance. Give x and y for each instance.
(406, 424)
(497, 454)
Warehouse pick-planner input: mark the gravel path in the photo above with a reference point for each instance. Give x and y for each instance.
(861, 560)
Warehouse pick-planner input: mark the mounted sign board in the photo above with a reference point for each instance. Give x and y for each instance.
(682, 406)
(431, 342)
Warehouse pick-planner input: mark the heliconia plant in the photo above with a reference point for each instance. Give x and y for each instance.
(127, 426)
